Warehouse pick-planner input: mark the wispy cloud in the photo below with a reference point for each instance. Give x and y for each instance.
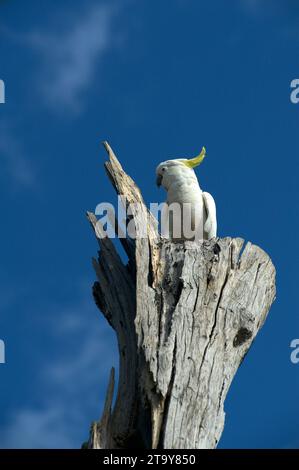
(37, 429)
(12, 157)
(253, 5)
(263, 7)
(69, 58)
(71, 388)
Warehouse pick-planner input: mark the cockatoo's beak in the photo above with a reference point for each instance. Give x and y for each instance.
(159, 180)
(193, 162)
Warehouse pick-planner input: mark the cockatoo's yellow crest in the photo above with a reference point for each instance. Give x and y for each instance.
(193, 162)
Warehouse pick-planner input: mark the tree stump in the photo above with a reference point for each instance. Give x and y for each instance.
(185, 314)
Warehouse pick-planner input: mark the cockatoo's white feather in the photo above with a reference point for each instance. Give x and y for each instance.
(210, 226)
(179, 180)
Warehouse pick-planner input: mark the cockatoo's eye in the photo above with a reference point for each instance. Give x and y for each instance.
(160, 176)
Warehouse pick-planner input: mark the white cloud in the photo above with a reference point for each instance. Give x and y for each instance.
(36, 429)
(13, 160)
(263, 7)
(69, 58)
(252, 5)
(71, 388)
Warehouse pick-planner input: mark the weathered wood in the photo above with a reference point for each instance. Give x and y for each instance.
(185, 315)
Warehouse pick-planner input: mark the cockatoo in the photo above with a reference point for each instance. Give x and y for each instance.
(183, 192)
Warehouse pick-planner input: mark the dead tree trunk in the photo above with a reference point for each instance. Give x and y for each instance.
(185, 315)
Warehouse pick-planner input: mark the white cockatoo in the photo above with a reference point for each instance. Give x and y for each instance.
(186, 203)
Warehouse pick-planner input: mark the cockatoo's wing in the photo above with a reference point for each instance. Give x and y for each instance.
(210, 227)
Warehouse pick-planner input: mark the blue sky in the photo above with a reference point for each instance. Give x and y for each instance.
(157, 80)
